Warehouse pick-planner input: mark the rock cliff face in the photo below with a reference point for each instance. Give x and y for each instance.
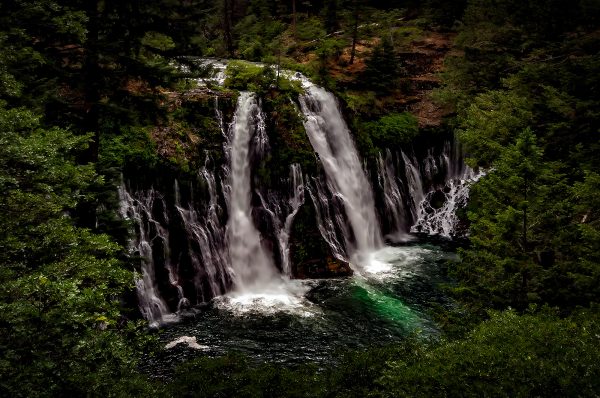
(307, 186)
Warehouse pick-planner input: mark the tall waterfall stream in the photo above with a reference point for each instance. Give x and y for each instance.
(248, 299)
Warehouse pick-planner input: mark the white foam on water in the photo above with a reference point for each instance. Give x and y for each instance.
(392, 262)
(287, 297)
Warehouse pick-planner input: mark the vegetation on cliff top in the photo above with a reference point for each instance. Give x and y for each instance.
(84, 91)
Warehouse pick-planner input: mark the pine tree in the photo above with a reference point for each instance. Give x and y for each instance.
(382, 69)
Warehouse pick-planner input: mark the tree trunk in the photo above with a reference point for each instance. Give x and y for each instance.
(354, 33)
(92, 74)
(331, 21)
(227, 10)
(294, 19)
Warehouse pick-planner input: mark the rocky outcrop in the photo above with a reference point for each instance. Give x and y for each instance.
(323, 268)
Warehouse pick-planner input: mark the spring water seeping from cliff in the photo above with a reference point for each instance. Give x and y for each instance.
(139, 210)
(206, 243)
(436, 212)
(393, 198)
(283, 210)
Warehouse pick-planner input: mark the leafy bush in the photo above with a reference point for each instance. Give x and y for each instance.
(506, 356)
(393, 130)
(131, 145)
(256, 78)
(234, 376)
(61, 331)
(310, 29)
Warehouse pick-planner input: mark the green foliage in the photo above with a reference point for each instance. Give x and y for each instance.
(393, 130)
(490, 123)
(508, 355)
(330, 48)
(355, 375)
(529, 231)
(360, 102)
(517, 212)
(245, 76)
(390, 131)
(259, 79)
(133, 145)
(258, 36)
(364, 141)
(157, 41)
(59, 284)
(233, 375)
(383, 68)
(310, 29)
(288, 136)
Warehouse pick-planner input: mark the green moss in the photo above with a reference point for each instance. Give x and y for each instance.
(257, 78)
(288, 138)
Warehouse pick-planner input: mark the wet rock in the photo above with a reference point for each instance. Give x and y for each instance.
(329, 267)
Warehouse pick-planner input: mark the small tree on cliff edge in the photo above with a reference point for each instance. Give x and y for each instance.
(382, 69)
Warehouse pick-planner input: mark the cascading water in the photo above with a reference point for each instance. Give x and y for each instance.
(443, 219)
(283, 211)
(330, 138)
(211, 267)
(252, 266)
(415, 184)
(435, 213)
(139, 210)
(261, 140)
(325, 221)
(232, 261)
(430, 165)
(392, 197)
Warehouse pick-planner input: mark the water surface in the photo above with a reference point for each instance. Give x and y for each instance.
(320, 319)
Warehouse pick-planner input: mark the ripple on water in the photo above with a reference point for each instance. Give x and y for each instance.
(299, 321)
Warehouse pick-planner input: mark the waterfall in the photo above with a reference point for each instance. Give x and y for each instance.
(261, 140)
(230, 259)
(252, 266)
(443, 220)
(283, 211)
(430, 165)
(207, 234)
(415, 184)
(436, 211)
(392, 197)
(225, 187)
(139, 211)
(330, 138)
(325, 221)
(294, 202)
